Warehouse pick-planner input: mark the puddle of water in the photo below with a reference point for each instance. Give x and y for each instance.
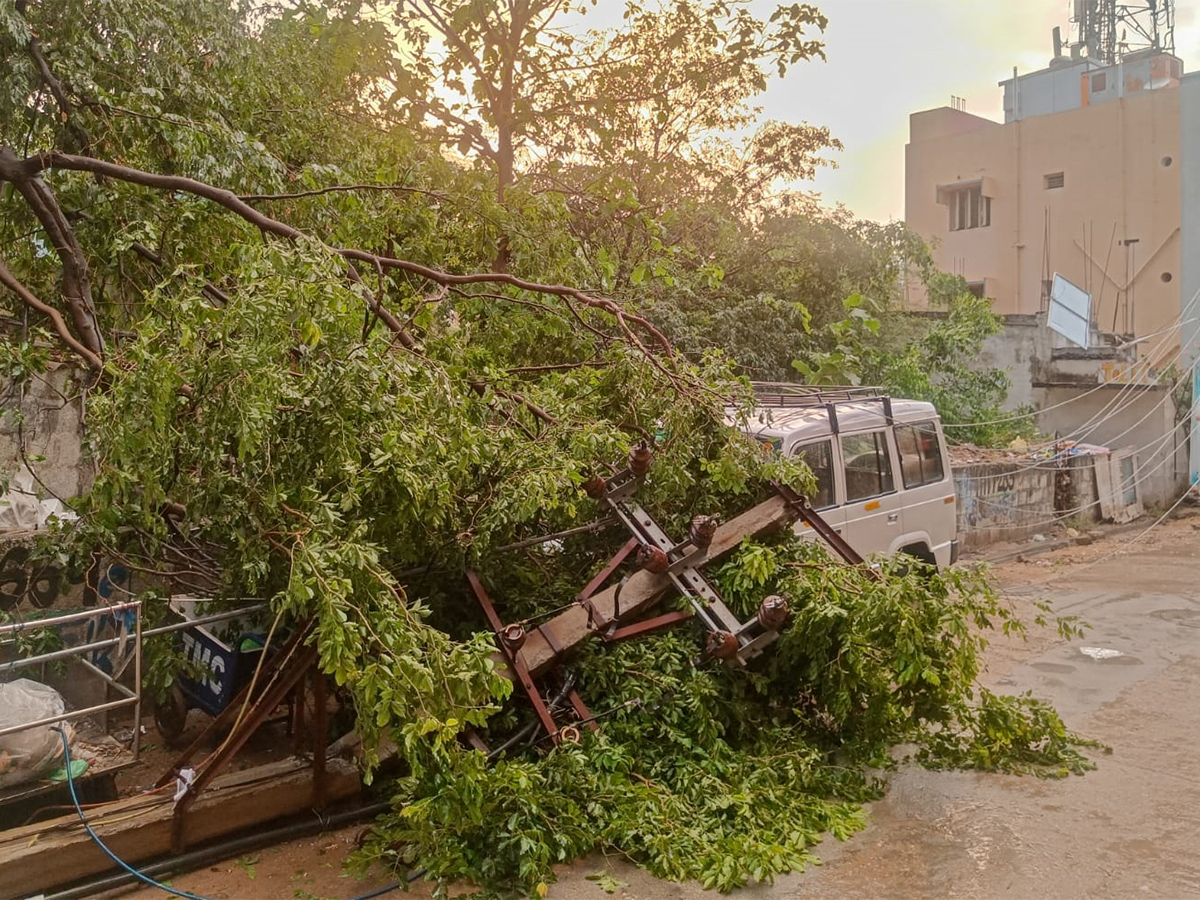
(1178, 616)
(1058, 668)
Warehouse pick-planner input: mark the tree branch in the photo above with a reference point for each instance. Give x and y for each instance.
(230, 201)
(256, 198)
(27, 297)
(55, 87)
(77, 289)
(214, 292)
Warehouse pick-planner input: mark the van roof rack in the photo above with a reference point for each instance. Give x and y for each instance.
(785, 395)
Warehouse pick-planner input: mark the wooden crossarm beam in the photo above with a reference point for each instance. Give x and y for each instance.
(643, 589)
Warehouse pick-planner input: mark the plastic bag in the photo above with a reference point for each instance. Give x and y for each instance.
(24, 755)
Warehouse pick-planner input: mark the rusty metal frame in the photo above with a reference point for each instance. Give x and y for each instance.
(735, 642)
(648, 625)
(826, 531)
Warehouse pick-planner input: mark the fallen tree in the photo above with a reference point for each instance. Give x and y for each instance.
(256, 432)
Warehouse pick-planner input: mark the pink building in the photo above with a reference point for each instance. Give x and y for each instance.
(1082, 179)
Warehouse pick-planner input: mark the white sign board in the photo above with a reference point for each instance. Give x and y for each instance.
(1070, 311)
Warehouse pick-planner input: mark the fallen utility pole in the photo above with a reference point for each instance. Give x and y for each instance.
(663, 566)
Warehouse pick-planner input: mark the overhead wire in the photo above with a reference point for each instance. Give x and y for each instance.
(1089, 427)
(1061, 515)
(1176, 323)
(1052, 463)
(1117, 551)
(1145, 472)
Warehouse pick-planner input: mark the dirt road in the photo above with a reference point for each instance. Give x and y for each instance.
(1129, 829)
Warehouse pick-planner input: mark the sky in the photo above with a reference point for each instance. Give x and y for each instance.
(889, 58)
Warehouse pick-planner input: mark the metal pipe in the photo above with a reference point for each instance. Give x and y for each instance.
(204, 620)
(547, 538)
(137, 683)
(161, 629)
(108, 679)
(234, 847)
(108, 642)
(68, 716)
(18, 627)
(61, 654)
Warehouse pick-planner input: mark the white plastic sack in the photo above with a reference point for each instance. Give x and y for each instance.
(24, 755)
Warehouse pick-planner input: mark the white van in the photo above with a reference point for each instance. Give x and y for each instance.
(883, 480)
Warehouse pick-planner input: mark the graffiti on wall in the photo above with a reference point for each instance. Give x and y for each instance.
(37, 584)
(992, 500)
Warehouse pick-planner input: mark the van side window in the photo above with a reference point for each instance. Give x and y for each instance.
(819, 458)
(920, 454)
(868, 466)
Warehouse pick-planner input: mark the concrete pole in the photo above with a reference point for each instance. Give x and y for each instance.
(1189, 184)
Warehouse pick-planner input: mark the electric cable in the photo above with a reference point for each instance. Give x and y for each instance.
(1110, 409)
(1062, 514)
(1148, 470)
(1136, 538)
(1179, 321)
(1049, 464)
(146, 879)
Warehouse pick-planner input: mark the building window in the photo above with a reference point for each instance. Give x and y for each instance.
(1055, 180)
(977, 288)
(1099, 82)
(969, 208)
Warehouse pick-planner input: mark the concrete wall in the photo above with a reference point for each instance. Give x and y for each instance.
(1001, 502)
(50, 425)
(1119, 416)
(1120, 163)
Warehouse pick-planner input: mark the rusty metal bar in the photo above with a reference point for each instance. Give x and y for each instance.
(581, 710)
(287, 678)
(638, 628)
(229, 714)
(820, 526)
(514, 658)
(602, 576)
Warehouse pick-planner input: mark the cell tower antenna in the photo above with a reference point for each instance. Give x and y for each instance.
(1108, 30)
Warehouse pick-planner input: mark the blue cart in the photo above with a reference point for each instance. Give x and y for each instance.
(224, 658)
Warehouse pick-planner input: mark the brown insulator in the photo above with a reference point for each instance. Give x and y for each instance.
(702, 530)
(640, 458)
(652, 559)
(721, 644)
(569, 735)
(513, 636)
(772, 612)
(595, 487)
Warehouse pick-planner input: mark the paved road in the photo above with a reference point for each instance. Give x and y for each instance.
(1129, 829)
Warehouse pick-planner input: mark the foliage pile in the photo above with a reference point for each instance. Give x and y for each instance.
(320, 284)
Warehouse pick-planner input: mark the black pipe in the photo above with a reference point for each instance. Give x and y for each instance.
(187, 862)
